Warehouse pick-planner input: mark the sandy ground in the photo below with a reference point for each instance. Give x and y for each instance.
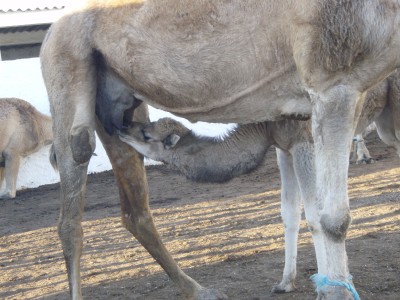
(226, 236)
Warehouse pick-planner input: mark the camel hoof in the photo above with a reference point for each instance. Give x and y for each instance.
(283, 287)
(210, 294)
(81, 146)
(335, 293)
(7, 195)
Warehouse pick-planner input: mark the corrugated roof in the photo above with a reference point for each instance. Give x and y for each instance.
(31, 5)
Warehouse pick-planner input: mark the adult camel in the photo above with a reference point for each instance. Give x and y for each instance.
(242, 61)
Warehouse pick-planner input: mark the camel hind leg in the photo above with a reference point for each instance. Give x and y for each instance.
(130, 174)
(70, 77)
(72, 149)
(73, 184)
(73, 176)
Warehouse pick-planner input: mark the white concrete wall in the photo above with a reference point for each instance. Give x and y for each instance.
(23, 79)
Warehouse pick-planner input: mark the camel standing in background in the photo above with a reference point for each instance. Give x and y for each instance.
(23, 131)
(238, 61)
(360, 153)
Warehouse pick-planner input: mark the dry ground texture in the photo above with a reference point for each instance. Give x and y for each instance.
(227, 236)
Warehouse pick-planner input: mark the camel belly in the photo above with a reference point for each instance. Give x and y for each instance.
(223, 99)
(202, 86)
(280, 99)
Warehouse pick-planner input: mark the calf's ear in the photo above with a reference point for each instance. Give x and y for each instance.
(171, 140)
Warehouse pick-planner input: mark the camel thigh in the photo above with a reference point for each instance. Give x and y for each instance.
(72, 99)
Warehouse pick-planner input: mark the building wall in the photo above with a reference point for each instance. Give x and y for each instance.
(19, 52)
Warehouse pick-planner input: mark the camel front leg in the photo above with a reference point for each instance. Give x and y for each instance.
(333, 126)
(11, 169)
(291, 214)
(130, 174)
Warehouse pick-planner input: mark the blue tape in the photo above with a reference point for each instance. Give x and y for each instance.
(323, 280)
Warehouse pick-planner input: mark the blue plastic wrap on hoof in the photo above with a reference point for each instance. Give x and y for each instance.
(323, 280)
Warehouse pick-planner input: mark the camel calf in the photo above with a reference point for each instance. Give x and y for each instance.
(23, 130)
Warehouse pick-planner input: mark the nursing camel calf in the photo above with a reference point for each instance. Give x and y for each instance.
(240, 61)
(23, 131)
(219, 160)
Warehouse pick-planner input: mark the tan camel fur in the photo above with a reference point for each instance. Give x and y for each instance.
(241, 61)
(23, 131)
(217, 160)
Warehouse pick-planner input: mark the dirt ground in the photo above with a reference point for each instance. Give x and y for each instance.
(226, 236)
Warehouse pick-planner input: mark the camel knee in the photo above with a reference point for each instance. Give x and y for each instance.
(138, 225)
(336, 226)
(314, 226)
(83, 143)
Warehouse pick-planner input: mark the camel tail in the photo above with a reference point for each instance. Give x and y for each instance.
(53, 157)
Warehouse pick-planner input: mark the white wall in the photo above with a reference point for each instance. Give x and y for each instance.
(22, 79)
